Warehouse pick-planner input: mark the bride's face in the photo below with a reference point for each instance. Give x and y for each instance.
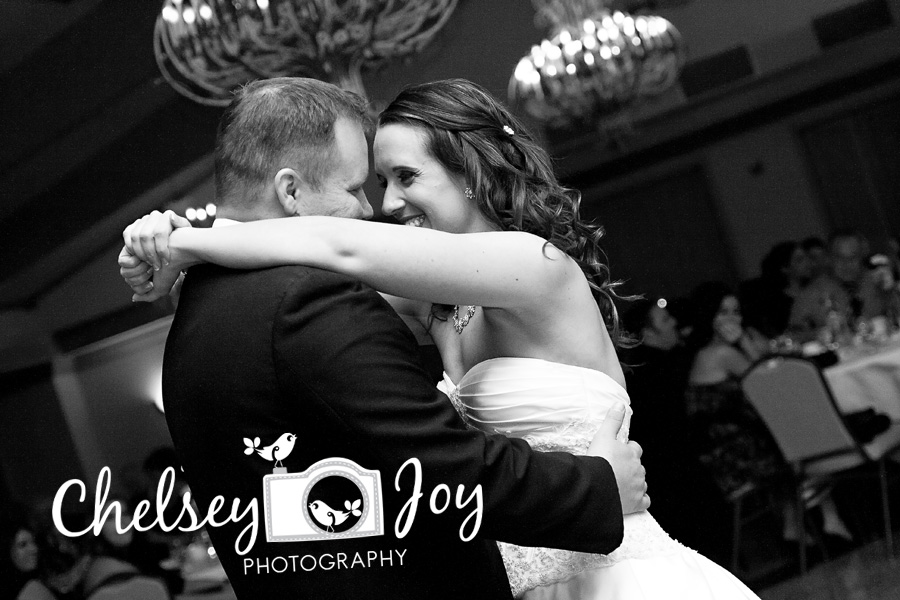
(418, 190)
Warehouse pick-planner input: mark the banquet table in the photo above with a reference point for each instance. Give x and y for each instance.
(867, 377)
(220, 593)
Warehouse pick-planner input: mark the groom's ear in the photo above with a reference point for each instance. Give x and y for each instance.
(288, 187)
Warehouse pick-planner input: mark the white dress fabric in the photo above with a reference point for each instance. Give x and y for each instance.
(557, 407)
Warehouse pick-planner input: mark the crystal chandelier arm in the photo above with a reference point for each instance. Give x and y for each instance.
(553, 15)
(596, 64)
(417, 41)
(406, 29)
(168, 54)
(205, 48)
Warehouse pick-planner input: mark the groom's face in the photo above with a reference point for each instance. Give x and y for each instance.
(341, 192)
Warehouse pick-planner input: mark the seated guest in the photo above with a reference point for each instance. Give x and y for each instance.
(767, 299)
(19, 558)
(64, 560)
(894, 253)
(730, 437)
(685, 500)
(732, 441)
(112, 573)
(848, 289)
(150, 550)
(680, 309)
(817, 253)
(660, 351)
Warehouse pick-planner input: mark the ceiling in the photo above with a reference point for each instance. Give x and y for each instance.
(25, 25)
(87, 128)
(93, 137)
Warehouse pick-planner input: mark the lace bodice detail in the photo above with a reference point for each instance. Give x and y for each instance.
(554, 407)
(528, 568)
(452, 392)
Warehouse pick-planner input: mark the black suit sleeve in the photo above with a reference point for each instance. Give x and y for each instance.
(342, 349)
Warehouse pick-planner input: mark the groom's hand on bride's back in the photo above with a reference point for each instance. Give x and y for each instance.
(625, 460)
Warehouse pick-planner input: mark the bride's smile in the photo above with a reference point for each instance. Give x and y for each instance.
(416, 221)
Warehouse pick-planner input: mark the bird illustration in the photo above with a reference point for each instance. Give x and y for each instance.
(327, 517)
(277, 451)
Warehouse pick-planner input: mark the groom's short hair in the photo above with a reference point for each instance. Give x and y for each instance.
(276, 123)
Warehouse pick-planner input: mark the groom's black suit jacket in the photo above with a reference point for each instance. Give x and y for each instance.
(305, 351)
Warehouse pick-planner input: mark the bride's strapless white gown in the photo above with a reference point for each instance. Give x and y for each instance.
(557, 407)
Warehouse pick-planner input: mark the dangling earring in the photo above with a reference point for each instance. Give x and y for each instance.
(469, 193)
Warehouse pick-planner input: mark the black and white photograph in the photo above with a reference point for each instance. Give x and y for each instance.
(444, 299)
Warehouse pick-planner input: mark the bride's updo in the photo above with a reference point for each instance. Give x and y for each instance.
(471, 134)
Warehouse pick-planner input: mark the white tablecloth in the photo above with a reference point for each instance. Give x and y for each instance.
(866, 379)
(206, 581)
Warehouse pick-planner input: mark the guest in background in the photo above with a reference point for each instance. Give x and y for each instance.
(113, 572)
(849, 290)
(660, 351)
(680, 309)
(767, 300)
(732, 441)
(19, 559)
(685, 500)
(884, 269)
(155, 551)
(894, 253)
(817, 253)
(63, 560)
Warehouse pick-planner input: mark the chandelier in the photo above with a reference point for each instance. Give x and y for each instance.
(207, 48)
(596, 62)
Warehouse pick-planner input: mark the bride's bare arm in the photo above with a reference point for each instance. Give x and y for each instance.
(498, 269)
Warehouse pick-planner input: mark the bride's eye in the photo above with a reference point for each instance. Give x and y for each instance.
(406, 177)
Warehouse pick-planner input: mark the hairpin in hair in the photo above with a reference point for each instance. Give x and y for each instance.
(508, 130)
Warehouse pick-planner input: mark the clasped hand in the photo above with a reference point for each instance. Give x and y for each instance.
(147, 263)
(625, 460)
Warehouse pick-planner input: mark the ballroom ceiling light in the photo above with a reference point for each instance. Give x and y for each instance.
(595, 63)
(207, 48)
(201, 217)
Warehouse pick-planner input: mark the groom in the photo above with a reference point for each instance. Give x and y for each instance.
(263, 353)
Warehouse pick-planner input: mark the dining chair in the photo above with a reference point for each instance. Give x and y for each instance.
(132, 586)
(796, 404)
(749, 503)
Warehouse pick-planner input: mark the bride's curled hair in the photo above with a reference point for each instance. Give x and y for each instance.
(471, 134)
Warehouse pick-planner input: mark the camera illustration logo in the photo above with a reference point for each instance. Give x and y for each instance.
(334, 498)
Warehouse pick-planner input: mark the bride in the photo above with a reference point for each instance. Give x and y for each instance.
(495, 265)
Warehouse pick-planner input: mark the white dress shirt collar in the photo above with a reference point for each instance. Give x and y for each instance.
(223, 222)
